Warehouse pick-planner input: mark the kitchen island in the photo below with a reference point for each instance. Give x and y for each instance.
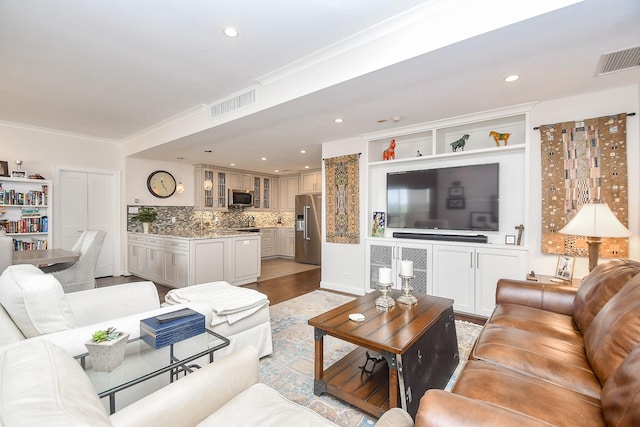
(182, 260)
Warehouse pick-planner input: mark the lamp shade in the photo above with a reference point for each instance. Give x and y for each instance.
(595, 220)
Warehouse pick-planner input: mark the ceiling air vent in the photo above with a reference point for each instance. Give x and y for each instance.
(232, 104)
(620, 60)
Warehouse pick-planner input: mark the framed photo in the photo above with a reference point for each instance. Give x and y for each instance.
(510, 239)
(564, 269)
(379, 221)
(480, 219)
(456, 191)
(19, 173)
(455, 203)
(4, 168)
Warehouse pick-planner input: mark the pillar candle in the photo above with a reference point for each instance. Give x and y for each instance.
(384, 275)
(406, 268)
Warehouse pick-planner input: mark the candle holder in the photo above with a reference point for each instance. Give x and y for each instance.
(384, 300)
(407, 298)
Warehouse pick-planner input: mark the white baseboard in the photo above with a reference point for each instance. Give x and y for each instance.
(341, 288)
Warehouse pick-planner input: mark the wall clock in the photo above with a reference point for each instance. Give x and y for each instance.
(161, 184)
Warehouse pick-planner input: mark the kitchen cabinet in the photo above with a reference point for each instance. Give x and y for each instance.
(214, 198)
(311, 182)
(289, 187)
(240, 181)
(469, 274)
(179, 261)
(176, 262)
(262, 192)
(206, 261)
(286, 242)
(268, 245)
(244, 259)
(388, 253)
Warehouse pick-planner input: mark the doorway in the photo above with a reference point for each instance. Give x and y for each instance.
(88, 200)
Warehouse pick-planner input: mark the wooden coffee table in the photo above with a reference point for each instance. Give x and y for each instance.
(418, 346)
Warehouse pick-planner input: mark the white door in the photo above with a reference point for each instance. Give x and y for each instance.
(454, 275)
(85, 204)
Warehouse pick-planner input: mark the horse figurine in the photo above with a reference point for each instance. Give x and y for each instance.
(497, 137)
(390, 153)
(460, 143)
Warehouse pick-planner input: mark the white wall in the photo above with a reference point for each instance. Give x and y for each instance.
(343, 266)
(138, 170)
(621, 100)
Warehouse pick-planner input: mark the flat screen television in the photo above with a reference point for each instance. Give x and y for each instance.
(448, 198)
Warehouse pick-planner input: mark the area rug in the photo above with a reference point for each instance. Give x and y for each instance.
(290, 368)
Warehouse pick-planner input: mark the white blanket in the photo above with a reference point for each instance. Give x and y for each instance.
(229, 303)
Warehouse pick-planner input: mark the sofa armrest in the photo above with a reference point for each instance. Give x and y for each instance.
(443, 409)
(111, 302)
(190, 400)
(555, 298)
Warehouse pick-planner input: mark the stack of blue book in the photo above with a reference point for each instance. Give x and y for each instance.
(169, 328)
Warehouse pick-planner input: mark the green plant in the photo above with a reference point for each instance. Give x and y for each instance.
(146, 214)
(105, 334)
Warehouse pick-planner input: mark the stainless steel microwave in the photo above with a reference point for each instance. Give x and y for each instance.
(240, 197)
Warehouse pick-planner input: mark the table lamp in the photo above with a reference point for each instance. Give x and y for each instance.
(594, 221)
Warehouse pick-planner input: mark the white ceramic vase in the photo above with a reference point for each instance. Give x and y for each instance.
(105, 356)
(146, 227)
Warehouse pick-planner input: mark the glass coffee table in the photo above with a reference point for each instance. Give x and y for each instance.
(145, 364)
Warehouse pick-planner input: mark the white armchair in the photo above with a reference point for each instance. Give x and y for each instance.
(81, 274)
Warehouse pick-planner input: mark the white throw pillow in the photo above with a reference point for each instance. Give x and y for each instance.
(35, 301)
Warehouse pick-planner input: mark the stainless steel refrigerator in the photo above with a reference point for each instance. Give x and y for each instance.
(308, 221)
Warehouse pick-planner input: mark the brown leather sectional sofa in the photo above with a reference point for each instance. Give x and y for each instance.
(552, 355)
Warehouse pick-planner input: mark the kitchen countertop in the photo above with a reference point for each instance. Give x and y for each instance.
(212, 234)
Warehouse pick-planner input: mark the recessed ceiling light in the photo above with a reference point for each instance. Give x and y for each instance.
(338, 120)
(306, 167)
(276, 171)
(232, 164)
(230, 32)
(263, 158)
(511, 78)
(303, 151)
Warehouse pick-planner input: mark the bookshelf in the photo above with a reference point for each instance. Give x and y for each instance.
(25, 212)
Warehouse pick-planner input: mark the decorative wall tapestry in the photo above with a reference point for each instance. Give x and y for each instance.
(583, 162)
(342, 176)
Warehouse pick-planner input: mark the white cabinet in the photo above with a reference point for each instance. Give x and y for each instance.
(286, 242)
(210, 188)
(243, 259)
(311, 182)
(388, 253)
(179, 262)
(176, 262)
(206, 260)
(154, 263)
(240, 181)
(454, 275)
(289, 188)
(262, 191)
(469, 274)
(27, 214)
(268, 246)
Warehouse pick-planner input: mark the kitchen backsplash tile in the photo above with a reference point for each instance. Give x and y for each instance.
(187, 219)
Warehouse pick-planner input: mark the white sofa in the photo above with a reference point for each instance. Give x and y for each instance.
(224, 393)
(33, 307)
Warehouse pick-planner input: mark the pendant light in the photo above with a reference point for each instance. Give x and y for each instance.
(180, 186)
(208, 181)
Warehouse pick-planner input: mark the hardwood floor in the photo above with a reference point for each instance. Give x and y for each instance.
(277, 289)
